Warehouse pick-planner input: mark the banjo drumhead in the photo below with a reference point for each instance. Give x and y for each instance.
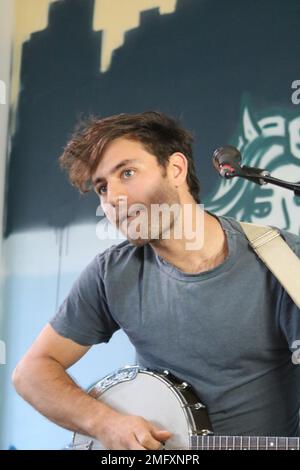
(155, 399)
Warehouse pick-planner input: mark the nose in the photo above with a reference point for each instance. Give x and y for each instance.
(115, 202)
(114, 194)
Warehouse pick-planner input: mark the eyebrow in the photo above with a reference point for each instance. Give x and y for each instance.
(99, 179)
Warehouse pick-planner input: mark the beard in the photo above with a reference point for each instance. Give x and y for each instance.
(154, 218)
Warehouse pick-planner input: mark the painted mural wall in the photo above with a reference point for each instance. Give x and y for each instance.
(229, 70)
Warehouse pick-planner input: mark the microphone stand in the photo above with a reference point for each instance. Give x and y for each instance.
(258, 176)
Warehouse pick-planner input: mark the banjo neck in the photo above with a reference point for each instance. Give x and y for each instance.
(212, 442)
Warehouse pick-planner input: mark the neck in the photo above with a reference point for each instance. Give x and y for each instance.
(201, 246)
(211, 442)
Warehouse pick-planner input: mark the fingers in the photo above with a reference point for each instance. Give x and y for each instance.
(137, 446)
(161, 434)
(153, 438)
(147, 441)
(134, 433)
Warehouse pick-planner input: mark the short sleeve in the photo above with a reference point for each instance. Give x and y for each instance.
(84, 315)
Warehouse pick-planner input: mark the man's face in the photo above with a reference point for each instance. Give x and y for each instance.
(131, 184)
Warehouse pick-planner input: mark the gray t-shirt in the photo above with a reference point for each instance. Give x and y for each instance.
(227, 331)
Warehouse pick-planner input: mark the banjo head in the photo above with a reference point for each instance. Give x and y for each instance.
(158, 398)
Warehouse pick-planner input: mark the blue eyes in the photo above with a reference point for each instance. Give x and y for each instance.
(125, 171)
(101, 188)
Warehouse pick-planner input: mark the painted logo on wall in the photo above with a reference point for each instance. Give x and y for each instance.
(271, 141)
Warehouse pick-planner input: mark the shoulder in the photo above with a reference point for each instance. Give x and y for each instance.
(118, 256)
(291, 239)
(234, 227)
(231, 225)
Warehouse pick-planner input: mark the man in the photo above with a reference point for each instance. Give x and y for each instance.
(200, 304)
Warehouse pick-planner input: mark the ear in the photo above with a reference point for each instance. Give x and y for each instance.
(177, 169)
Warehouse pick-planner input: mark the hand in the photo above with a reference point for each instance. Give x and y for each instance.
(122, 432)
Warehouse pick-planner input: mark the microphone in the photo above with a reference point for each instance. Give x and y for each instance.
(227, 161)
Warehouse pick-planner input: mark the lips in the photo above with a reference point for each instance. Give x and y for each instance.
(129, 217)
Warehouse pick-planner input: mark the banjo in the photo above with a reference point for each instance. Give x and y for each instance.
(170, 404)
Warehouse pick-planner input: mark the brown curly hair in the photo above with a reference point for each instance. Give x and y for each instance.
(159, 134)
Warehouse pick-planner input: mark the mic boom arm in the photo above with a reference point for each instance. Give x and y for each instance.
(259, 176)
(227, 162)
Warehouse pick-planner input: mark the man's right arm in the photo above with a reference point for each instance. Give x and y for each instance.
(41, 379)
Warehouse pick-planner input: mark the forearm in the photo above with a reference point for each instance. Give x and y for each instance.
(49, 389)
